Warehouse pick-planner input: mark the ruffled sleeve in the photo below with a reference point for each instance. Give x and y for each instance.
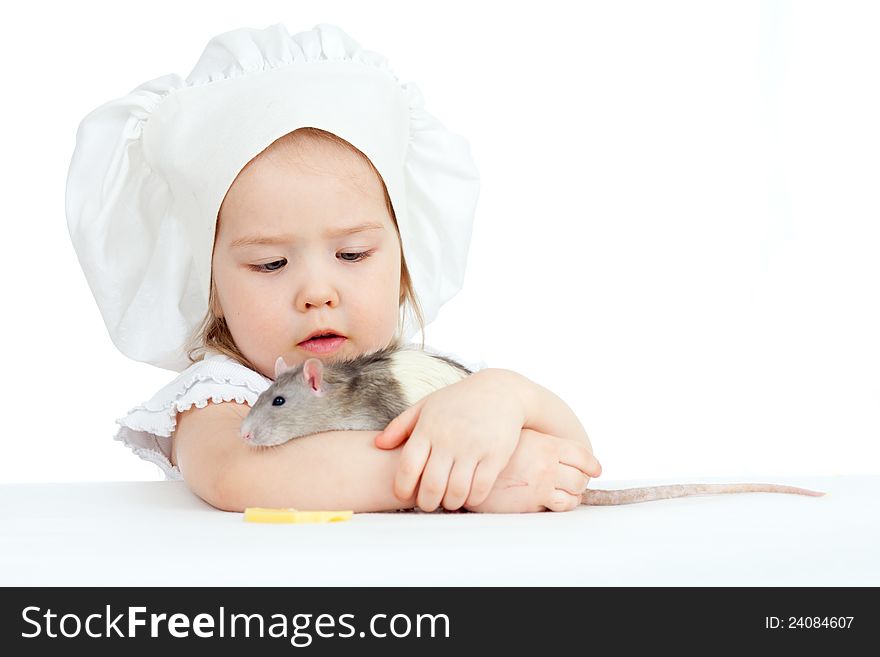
(146, 429)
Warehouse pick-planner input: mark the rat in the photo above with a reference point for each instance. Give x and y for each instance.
(361, 393)
(367, 392)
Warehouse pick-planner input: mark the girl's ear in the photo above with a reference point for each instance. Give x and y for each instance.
(216, 310)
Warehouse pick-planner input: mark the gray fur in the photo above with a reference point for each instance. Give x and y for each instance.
(360, 394)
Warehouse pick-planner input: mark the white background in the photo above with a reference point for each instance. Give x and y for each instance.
(677, 230)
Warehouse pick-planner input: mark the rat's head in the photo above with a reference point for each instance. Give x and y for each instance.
(297, 394)
(306, 241)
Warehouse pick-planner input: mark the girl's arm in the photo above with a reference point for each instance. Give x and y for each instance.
(544, 411)
(341, 470)
(337, 470)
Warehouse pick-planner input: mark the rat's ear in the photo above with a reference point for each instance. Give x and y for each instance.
(313, 373)
(280, 366)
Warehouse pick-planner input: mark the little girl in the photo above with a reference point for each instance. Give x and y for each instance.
(291, 188)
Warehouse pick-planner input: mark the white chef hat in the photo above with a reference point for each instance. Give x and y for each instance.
(150, 170)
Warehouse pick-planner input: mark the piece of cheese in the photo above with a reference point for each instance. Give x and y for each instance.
(259, 514)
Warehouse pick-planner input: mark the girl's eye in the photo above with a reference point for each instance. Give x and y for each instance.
(360, 255)
(278, 264)
(269, 266)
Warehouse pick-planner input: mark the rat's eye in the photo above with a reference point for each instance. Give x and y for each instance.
(278, 401)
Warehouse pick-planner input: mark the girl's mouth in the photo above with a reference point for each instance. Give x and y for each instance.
(323, 345)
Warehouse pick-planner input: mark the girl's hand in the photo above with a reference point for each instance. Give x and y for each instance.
(544, 473)
(460, 437)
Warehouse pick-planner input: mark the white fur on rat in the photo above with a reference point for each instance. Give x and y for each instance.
(368, 391)
(420, 376)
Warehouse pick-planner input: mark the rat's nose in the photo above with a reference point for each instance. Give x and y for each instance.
(247, 436)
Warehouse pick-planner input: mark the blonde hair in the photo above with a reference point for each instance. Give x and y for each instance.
(213, 332)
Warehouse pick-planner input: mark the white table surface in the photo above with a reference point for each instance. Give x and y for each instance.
(159, 533)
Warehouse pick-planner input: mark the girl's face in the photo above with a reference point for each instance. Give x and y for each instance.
(304, 273)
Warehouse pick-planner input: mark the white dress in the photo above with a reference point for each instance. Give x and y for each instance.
(146, 429)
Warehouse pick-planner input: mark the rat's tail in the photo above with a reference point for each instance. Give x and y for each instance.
(651, 493)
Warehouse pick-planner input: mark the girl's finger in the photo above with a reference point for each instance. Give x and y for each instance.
(481, 486)
(562, 501)
(413, 458)
(399, 429)
(571, 479)
(460, 478)
(435, 478)
(578, 455)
